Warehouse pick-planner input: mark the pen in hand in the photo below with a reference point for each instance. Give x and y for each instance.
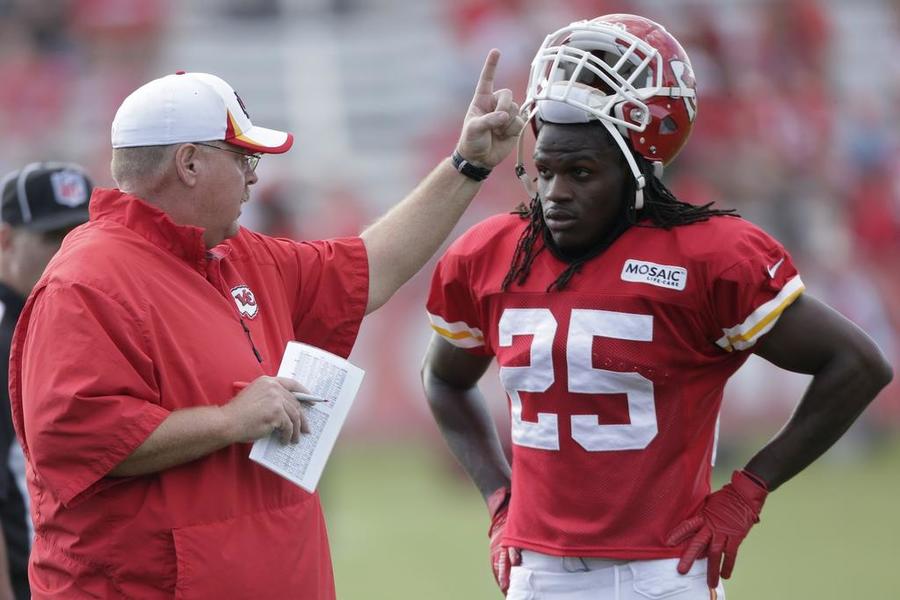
(303, 397)
(300, 396)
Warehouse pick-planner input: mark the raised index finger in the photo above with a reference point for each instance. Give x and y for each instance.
(486, 79)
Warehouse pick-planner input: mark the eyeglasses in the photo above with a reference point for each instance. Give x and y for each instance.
(250, 160)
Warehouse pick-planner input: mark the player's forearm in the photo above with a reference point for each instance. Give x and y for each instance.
(837, 395)
(463, 419)
(184, 435)
(402, 241)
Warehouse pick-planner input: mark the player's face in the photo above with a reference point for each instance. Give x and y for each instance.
(581, 184)
(229, 188)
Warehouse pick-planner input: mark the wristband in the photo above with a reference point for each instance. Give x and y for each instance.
(468, 169)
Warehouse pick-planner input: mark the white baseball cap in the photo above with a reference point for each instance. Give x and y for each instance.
(191, 107)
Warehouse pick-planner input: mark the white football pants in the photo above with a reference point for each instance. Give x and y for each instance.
(544, 577)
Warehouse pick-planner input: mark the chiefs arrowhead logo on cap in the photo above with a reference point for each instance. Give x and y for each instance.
(243, 106)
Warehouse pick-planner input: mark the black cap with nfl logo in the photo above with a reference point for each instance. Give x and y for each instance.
(46, 196)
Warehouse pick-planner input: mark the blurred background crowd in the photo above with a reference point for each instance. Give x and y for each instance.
(797, 129)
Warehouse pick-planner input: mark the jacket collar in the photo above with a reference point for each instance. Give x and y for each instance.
(154, 225)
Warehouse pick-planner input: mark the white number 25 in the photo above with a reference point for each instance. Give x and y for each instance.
(583, 378)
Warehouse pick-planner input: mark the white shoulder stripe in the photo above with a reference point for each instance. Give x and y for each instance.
(458, 333)
(761, 320)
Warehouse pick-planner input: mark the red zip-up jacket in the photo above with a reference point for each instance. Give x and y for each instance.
(133, 319)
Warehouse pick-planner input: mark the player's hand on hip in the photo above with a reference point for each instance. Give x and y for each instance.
(266, 405)
(492, 124)
(503, 558)
(720, 526)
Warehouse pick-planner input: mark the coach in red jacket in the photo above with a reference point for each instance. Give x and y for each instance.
(124, 362)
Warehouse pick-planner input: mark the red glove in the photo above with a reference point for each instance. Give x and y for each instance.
(721, 525)
(502, 557)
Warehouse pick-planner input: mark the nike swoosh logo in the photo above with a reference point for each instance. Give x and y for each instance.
(774, 268)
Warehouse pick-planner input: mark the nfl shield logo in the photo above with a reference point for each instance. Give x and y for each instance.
(69, 188)
(245, 300)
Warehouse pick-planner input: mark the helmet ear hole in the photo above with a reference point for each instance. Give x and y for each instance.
(668, 126)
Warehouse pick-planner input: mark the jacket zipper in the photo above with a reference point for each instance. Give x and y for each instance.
(224, 290)
(250, 337)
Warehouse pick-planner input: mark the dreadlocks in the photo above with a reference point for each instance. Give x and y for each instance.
(525, 253)
(661, 208)
(665, 210)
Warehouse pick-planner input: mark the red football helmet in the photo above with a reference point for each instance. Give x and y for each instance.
(626, 71)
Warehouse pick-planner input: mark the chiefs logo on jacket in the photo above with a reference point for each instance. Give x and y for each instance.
(245, 300)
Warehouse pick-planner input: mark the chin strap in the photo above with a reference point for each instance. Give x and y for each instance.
(521, 173)
(640, 180)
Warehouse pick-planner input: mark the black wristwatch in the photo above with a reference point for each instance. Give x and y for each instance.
(468, 169)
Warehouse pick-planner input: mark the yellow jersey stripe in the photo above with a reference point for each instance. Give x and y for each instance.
(767, 319)
(456, 335)
(762, 319)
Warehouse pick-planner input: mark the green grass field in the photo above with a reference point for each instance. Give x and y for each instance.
(404, 526)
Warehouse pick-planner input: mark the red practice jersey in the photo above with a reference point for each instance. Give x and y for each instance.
(615, 382)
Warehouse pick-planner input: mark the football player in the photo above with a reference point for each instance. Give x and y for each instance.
(617, 313)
